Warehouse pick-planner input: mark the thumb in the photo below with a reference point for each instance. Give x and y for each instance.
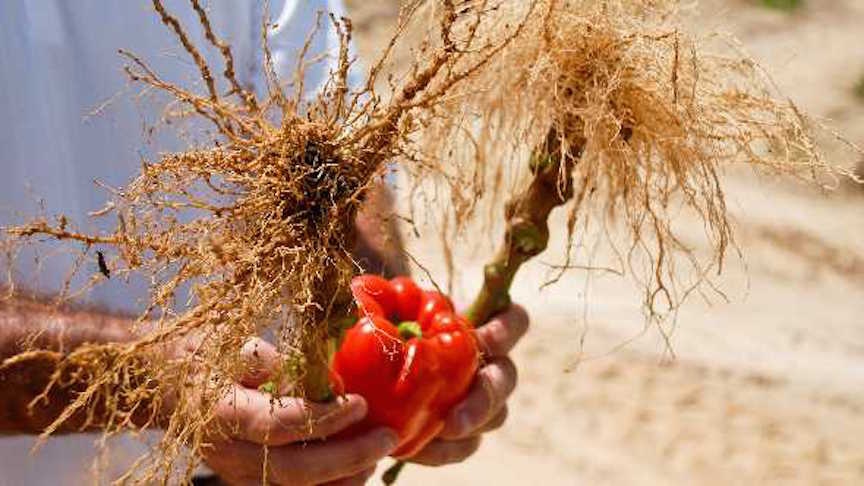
(260, 360)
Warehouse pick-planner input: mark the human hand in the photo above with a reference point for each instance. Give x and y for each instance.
(485, 407)
(291, 429)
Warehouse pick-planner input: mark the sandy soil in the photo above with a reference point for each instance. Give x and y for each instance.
(766, 389)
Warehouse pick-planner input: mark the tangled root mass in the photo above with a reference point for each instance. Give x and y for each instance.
(260, 223)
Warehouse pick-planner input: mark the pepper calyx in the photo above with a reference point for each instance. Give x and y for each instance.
(409, 330)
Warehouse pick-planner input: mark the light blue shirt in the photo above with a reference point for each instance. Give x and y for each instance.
(59, 62)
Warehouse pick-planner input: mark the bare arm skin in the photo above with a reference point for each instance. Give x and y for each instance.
(28, 323)
(63, 329)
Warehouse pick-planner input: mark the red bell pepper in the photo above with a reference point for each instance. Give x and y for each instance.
(410, 355)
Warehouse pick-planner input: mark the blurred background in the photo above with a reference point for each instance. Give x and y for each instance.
(765, 389)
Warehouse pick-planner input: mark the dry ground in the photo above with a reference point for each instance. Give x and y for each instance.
(767, 389)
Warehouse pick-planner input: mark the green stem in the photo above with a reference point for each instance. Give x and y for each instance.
(324, 327)
(319, 353)
(527, 231)
(316, 373)
(409, 330)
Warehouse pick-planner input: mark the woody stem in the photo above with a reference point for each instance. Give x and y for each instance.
(527, 227)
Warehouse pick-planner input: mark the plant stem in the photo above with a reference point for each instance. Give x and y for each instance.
(377, 244)
(316, 375)
(526, 235)
(527, 231)
(325, 325)
(392, 473)
(318, 349)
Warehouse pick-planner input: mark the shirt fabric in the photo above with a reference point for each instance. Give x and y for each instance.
(59, 63)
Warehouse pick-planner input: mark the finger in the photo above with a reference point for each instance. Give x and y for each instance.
(260, 359)
(337, 459)
(495, 422)
(258, 417)
(440, 452)
(227, 469)
(313, 463)
(498, 336)
(356, 480)
(494, 383)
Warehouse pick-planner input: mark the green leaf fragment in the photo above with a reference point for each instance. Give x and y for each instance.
(267, 387)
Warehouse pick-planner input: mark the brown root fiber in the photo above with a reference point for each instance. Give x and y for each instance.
(648, 114)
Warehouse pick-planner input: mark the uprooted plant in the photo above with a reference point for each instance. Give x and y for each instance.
(625, 119)
(260, 224)
(623, 115)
